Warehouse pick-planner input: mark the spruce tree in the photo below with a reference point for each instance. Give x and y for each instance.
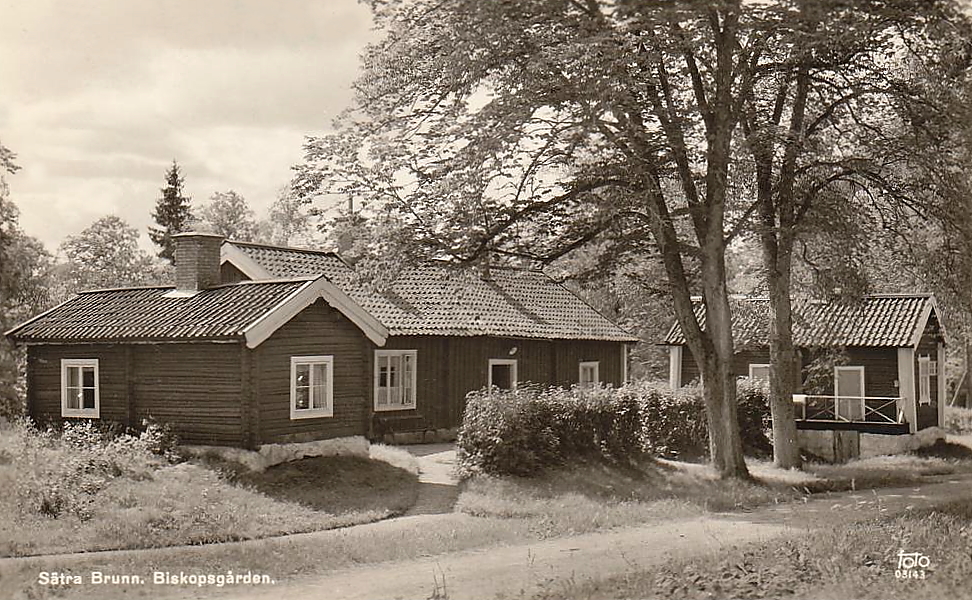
(172, 213)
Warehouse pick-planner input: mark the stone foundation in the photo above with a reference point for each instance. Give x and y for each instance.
(833, 446)
(880, 445)
(429, 436)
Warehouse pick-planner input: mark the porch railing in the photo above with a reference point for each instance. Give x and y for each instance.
(850, 409)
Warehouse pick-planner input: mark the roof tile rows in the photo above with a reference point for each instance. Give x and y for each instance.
(880, 320)
(431, 299)
(150, 314)
(438, 299)
(285, 263)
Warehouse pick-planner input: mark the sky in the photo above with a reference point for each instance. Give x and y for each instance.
(97, 97)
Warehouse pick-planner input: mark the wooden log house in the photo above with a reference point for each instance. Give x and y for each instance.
(260, 344)
(884, 358)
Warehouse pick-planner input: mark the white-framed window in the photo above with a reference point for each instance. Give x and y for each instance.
(502, 373)
(924, 379)
(395, 379)
(80, 393)
(589, 373)
(759, 371)
(311, 387)
(933, 367)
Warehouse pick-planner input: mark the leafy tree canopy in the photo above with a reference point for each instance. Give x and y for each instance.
(526, 130)
(106, 255)
(229, 215)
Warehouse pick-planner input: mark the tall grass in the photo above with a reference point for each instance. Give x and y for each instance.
(83, 489)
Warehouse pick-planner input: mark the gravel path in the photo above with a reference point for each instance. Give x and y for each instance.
(438, 485)
(524, 570)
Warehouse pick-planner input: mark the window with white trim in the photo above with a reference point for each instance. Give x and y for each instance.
(759, 371)
(80, 394)
(311, 387)
(502, 373)
(924, 379)
(395, 379)
(589, 373)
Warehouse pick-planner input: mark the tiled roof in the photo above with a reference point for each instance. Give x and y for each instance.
(295, 262)
(148, 314)
(888, 320)
(438, 299)
(441, 299)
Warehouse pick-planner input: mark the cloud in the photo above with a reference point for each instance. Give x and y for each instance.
(100, 96)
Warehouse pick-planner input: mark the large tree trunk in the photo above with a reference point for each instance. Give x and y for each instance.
(783, 375)
(718, 380)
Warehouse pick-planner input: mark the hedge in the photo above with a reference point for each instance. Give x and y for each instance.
(522, 431)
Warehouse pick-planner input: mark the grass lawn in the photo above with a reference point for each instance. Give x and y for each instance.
(490, 512)
(856, 561)
(85, 492)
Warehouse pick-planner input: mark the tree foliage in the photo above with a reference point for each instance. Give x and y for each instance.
(289, 223)
(526, 130)
(25, 284)
(106, 255)
(173, 213)
(229, 215)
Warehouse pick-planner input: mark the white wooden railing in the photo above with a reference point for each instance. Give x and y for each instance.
(850, 409)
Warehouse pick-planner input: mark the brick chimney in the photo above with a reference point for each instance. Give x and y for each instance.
(196, 260)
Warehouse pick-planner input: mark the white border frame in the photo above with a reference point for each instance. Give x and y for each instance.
(312, 413)
(396, 352)
(589, 363)
(768, 368)
(512, 362)
(855, 368)
(82, 413)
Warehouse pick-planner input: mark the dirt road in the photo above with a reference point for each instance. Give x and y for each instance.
(523, 570)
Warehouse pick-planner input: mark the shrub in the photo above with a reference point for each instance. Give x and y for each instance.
(59, 472)
(519, 432)
(673, 423)
(522, 431)
(958, 420)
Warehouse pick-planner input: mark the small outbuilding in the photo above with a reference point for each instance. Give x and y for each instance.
(873, 366)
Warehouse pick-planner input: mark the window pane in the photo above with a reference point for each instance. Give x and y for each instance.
(89, 398)
(88, 376)
(74, 377)
(303, 375)
(502, 376)
(394, 365)
(74, 398)
(302, 395)
(320, 385)
(760, 372)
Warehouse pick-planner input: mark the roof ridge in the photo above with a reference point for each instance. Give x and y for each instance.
(278, 247)
(273, 280)
(127, 289)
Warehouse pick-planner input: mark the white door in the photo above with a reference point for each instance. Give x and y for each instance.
(849, 389)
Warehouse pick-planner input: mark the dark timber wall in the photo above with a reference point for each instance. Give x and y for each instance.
(227, 394)
(318, 330)
(880, 367)
(448, 368)
(740, 363)
(195, 387)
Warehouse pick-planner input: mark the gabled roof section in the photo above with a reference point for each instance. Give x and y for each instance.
(437, 298)
(441, 299)
(260, 261)
(249, 310)
(880, 320)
